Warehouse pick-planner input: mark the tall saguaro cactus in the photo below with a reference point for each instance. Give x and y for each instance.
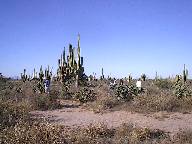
(185, 74)
(102, 74)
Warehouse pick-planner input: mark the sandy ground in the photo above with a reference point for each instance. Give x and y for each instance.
(74, 115)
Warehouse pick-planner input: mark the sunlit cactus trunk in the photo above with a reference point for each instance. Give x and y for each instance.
(185, 74)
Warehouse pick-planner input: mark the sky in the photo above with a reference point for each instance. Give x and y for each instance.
(122, 36)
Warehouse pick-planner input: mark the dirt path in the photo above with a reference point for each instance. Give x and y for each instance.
(77, 116)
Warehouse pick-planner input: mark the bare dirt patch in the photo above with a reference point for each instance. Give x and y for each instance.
(72, 114)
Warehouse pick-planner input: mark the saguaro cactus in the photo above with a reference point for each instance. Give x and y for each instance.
(185, 74)
(102, 74)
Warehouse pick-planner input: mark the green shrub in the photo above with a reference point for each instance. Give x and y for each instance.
(125, 92)
(85, 95)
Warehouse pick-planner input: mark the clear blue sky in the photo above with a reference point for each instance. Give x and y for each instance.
(122, 36)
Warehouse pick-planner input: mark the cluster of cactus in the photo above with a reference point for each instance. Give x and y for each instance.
(43, 74)
(70, 68)
(181, 89)
(24, 76)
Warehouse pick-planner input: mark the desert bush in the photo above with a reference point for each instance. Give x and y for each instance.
(11, 112)
(92, 134)
(65, 92)
(155, 103)
(45, 102)
(84, 95)
(163, 102)
(103, 104)
(127, 133)
(33, 133)
(125, 92)
(183, 137)
(163, 84)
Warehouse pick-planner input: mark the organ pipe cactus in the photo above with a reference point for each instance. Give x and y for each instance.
(72, 67)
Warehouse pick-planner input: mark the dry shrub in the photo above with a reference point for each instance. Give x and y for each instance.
(184, 137)
(11, 112)
(127, 133)
(45, 102)
(162, 102)
(155, 103)
(105, 99)
(92, 134)
(104, 104)
(38, 132)
(164, 84)
(33, 133)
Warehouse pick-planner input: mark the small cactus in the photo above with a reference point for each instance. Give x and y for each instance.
(143, 77)
(129, 79)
